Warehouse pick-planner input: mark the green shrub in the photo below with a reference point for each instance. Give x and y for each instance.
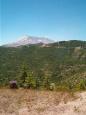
(83, 84)
(52, 86)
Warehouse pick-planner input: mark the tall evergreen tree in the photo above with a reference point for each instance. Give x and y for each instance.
(23, 77)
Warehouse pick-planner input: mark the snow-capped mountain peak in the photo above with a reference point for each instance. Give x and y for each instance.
(27, 40)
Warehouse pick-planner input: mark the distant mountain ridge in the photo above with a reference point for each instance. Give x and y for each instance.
(69, 44)
(27, 40)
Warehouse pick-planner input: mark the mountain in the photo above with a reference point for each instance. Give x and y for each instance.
(27, 40)
(62, 63)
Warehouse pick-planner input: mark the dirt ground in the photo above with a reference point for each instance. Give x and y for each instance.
(33, 102)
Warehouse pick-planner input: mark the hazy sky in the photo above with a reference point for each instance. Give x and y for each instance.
(56, 19)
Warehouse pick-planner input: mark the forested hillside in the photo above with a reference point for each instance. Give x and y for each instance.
(61, 65)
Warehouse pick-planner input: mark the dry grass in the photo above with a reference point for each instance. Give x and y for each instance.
(32, 102)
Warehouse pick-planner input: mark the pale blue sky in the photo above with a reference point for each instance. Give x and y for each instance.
(56, 19)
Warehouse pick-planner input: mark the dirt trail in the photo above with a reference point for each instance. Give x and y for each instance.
(31, 102)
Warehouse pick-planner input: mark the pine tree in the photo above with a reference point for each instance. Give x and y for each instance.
(23, 77)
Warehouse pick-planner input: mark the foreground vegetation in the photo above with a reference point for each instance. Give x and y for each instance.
(54, 66)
